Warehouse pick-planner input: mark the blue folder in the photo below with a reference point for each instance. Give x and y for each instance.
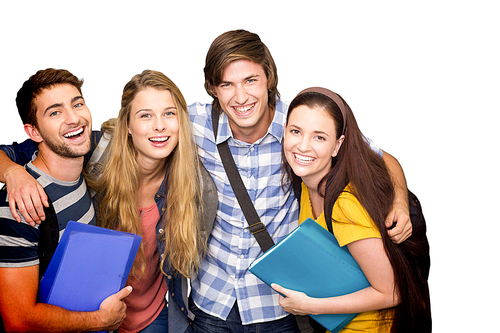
(310, 260)
(90, 263)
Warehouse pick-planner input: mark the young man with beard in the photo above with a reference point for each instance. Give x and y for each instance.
(56, 117)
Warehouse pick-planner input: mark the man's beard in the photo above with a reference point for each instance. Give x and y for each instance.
(67, 151)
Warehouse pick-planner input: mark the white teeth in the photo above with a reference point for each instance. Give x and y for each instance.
(159, 139)
(74, 133)
(303, 158)
(243, 109)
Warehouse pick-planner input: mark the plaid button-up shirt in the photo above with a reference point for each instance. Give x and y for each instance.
(224, 277)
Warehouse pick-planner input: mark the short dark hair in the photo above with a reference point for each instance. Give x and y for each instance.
(239, 45)
(43, 79)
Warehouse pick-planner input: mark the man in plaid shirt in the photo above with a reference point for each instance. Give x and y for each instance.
(241, 76)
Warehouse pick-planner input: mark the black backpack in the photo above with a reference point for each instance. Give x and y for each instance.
(49, 237)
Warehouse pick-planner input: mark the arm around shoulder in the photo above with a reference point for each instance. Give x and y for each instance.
(24, 192)
(398, 221)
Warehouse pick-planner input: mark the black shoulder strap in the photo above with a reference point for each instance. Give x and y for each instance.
(49, 237)
(256, 227)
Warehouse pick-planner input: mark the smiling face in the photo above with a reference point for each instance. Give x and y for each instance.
(153, 124)
(310, 142)
(64, 122)
(243, 96)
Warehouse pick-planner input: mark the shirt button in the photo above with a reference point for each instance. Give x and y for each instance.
(182, 309)
(242, 256)
(160, 231)
(172, 295)
(162, 255)
(169, 277)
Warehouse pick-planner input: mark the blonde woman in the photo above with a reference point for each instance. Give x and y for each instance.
(149, 182)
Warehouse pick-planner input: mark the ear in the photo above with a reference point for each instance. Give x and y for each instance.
(33, 133)
(212, 88)
(339, 143)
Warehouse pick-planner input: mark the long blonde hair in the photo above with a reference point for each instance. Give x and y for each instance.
(119, 182)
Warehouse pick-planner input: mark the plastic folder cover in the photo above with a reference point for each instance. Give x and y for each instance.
(89, 264)
(310, 260)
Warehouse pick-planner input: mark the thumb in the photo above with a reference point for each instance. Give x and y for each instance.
(278, 288)
(390, 221)
(124, 292)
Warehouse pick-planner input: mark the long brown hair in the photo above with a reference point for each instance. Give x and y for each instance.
(356, 164)
(119, 182)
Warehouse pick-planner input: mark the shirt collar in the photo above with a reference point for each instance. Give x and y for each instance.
(275, 129)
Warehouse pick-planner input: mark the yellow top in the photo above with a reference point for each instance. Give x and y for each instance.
(350, 222)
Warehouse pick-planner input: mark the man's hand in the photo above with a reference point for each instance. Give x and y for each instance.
(398, 223)
(113, 309)
(27, 194)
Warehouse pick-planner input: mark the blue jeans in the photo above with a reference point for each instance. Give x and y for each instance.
(160, 324)
(205, 323)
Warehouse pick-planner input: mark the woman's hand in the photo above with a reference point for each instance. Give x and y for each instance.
(25, 193)
(294, 302)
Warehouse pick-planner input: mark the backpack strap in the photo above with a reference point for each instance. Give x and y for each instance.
(255, 225)
(49, 237)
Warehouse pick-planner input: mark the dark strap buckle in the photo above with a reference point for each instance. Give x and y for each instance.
(256, 227)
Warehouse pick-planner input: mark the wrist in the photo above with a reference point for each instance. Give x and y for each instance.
(9, 170)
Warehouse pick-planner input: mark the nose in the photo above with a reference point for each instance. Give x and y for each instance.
(241, 95)
(72, 117)
(303, 144)
(159, 125)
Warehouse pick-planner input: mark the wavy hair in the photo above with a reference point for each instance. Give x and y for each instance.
(119, 182)
(371, 184)
(239, 45)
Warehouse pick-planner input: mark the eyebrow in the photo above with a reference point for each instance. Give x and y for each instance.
(149, 110)
(294, 126)
(247, 78)
(57, 105)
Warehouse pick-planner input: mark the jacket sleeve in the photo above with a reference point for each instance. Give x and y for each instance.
(21, 153)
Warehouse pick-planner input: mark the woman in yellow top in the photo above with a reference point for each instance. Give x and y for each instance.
(347, 189)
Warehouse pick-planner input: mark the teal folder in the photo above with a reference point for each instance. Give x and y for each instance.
(310, 260)
(89, 264)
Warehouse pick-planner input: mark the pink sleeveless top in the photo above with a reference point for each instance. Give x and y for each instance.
(148, 297)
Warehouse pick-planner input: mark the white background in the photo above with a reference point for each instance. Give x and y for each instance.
(421, 77)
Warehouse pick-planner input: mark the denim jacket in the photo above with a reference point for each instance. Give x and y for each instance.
(179, 316)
